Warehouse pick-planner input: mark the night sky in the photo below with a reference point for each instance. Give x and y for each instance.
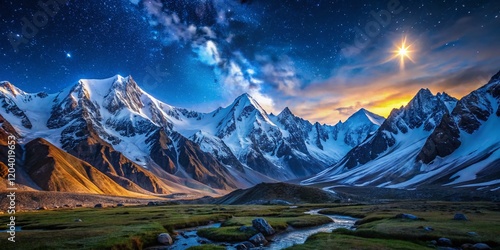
(323, 59)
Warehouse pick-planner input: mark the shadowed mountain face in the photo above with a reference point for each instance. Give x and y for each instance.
(434, 140)
(146, 146)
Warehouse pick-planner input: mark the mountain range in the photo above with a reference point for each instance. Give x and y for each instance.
(435, 140)
(111, 137)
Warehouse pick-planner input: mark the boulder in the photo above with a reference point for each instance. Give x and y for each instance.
(201, 241)
(151, 203)
(444, 242)
(473, 234)
(164, 239)
(407, 217)
(467, 246)
(481, 246)
(78, 220)
(262, 226)
(460, 217)
(258, 240)
(99, 205)
(244, 245)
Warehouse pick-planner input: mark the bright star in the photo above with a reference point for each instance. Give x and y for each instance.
(403, 52)
(68, 55)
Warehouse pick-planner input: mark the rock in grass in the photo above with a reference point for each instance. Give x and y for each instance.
(467, 246)
(78, 220)
(473, 234)
(151, 203)
(407, 217)
(258, 240)
(460, 217)
(444, 242)
(119, 205)
(481, 246)
(164, 239)
(244, 245)
(99, 205)
(262, 226)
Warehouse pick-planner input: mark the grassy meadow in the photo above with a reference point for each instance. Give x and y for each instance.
(137, 227)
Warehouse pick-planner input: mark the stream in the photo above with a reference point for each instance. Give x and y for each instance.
(188, 237)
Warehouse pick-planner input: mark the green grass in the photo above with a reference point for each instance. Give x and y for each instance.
(337, 241)
(229, 234)
(137, 227)
(379, 223)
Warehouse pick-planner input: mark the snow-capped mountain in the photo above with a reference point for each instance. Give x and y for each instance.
(397, 139)
(434, 140)
(282, 147)
(147, 146)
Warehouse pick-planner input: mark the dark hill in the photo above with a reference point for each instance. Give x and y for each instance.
(277, 193)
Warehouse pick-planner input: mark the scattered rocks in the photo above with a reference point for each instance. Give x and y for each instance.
(407, 217)
(262, 226)
(444, 242)
(473, 234)
(119, 205)
(183, 235)
(41, 208)
(244, 245)
(66, 205)
(78, 205)
(202, 242)
(428, 229)
(481, 246)
(78, 220)
(258, 240)
(460, 217)
(152, 203)
(99, 205)
(164, 239)
(433, 242)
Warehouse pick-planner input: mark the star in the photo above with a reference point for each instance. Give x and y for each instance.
(403, 52)
(68, 55)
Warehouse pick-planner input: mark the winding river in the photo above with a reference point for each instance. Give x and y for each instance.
(188, 237)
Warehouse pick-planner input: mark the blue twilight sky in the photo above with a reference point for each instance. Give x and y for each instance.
(323, 59)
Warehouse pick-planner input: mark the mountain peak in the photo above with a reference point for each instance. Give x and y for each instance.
(245, 100)
(495, 78)
(363, 116)
(286, 112)
(10, 88)
(424, 92)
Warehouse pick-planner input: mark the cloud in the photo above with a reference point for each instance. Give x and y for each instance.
(280, 73)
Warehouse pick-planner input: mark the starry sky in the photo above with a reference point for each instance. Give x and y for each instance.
(323, 59)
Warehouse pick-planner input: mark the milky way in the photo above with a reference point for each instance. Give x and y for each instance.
(321, 58)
